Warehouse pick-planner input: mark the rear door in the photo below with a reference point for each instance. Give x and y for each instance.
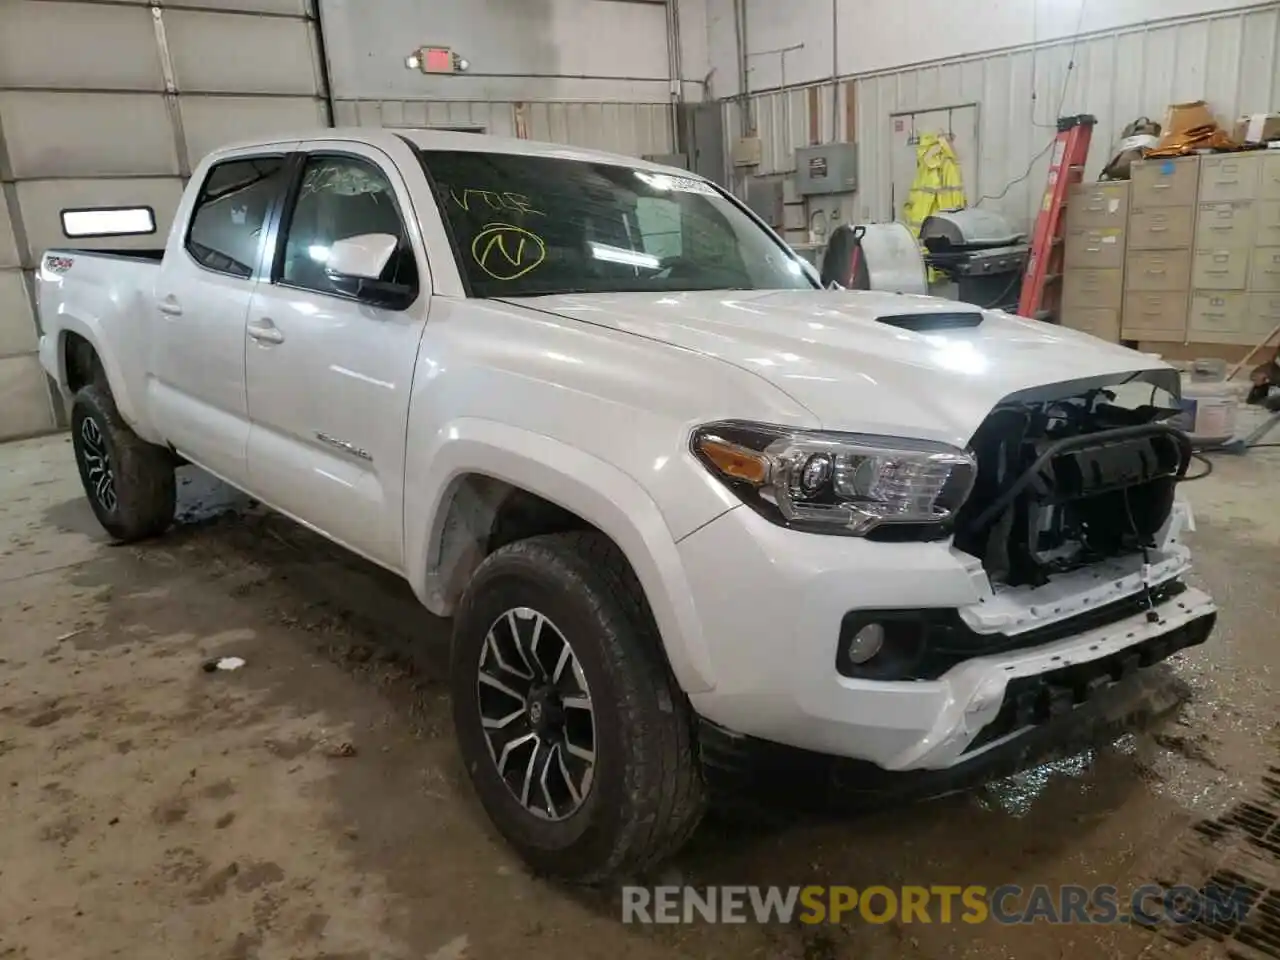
(329, 371)
(196, 383)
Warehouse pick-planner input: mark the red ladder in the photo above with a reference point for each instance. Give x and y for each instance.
(1042, 283)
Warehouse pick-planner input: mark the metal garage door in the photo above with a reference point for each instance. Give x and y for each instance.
(111, 103)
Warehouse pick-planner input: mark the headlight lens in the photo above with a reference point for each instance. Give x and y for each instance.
(837, 482)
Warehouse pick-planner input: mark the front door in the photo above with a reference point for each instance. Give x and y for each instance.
(329, 373)
(196, 386)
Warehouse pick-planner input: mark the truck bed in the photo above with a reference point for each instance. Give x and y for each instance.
(153, 255)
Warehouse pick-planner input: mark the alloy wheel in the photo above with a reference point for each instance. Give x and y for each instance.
(97, 464)
(535, 708)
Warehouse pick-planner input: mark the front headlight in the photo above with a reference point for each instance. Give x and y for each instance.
(837, 482)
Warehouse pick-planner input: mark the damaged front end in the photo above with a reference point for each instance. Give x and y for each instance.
(1068, 481)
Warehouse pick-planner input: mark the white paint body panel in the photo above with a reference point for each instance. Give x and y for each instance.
(589, 401)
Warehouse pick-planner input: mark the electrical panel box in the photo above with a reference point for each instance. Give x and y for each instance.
(748, 152)
(765, 198)
(830, 168)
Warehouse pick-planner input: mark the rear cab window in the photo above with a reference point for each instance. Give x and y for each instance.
(537, 225)
(226, 229)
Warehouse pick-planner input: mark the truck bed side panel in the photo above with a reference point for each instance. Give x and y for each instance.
(109, 301)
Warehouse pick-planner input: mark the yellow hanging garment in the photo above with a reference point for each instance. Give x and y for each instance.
(938, 184)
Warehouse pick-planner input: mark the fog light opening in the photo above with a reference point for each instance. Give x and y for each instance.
(866, 643)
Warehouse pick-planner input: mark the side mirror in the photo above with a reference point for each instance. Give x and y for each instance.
(354, 266)
(363, 257)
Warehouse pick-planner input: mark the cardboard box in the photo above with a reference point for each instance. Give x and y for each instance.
(1257, 128)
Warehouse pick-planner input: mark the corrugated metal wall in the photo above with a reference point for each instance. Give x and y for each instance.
(106, 104)
(634, 129)
(1231, 60)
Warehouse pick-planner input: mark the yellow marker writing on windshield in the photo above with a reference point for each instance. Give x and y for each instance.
(507, 252)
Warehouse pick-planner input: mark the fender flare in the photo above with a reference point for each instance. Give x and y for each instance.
(600, 493)
(116, 378)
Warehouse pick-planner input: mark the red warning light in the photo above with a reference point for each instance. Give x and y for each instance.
(437, 60)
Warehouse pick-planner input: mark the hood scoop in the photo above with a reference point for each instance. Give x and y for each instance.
(927, 322)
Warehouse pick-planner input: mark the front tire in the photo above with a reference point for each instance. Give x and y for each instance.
(129, 482)
(571, 727)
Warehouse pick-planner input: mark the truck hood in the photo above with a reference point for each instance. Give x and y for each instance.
(834, 353)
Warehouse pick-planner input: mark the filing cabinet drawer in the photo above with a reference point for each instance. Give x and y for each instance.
(1267, 220)
(1164, 183)
(1100, 247)
(1221, 269)
(1230, 176)
(1269, 185)
(1098, 321)
(1154, 270)
(1225, 226)
(1161, 228)
(1266, 270)
(1084, 289)
(1148, 314)
(1263, 313)
(1098, 205)
(1216, 313)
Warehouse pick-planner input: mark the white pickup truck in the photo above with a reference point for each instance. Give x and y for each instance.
(702, 525)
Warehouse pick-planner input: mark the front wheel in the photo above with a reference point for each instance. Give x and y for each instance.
(129, 482)
(570, 724)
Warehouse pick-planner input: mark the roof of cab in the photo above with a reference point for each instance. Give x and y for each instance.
(428, 139)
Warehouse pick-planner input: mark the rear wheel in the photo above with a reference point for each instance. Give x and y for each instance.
(129, 482)
(572, 728)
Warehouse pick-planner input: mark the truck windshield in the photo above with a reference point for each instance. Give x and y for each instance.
(530, 226)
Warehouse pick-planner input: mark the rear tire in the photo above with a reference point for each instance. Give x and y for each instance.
(597, 652)
(129, 482)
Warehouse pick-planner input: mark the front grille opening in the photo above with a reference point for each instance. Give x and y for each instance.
(1066, 483)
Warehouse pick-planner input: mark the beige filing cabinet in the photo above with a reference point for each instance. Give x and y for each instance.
(1093, 258)
(1161, 239)
(1235, 278)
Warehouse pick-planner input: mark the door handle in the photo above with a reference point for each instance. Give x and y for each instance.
(170, 307)
(265, 332)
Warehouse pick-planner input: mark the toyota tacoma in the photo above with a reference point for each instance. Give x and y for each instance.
(702, 526)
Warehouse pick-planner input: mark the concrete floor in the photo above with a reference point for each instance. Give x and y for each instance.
(311, 804)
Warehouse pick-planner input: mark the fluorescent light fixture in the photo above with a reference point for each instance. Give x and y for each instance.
(630, 258)
(108, 222)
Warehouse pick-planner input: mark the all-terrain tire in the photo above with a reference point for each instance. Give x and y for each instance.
(129, 482)
(646, 794)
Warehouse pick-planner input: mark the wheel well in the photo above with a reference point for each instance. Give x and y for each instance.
(483, 515)
(81, 362)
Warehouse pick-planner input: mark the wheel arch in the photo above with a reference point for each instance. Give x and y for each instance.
(483, 467)
(82, 355)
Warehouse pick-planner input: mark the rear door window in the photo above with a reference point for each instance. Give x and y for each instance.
(231, 213)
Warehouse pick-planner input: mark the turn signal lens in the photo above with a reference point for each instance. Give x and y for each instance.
(734, 461)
